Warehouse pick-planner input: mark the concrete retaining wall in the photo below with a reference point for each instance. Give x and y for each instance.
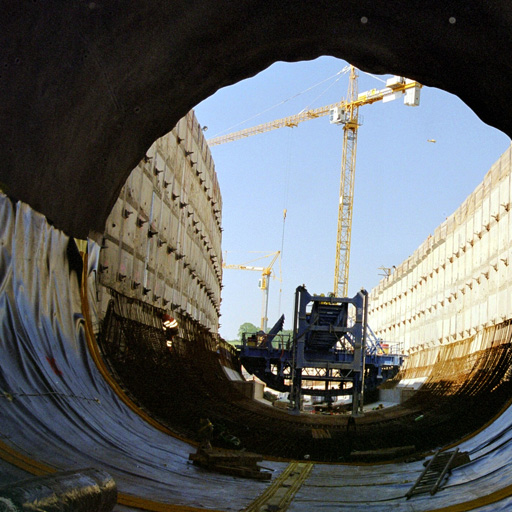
(162, 240)
(459, 281)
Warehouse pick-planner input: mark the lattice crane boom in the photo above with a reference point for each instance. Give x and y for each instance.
(345, 112)
(264, 283)
(365, 98)
(290, 122)
(243, 267)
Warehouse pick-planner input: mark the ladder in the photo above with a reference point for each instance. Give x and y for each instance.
(433, 474)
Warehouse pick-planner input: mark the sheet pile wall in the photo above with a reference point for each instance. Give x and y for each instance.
(162, 239)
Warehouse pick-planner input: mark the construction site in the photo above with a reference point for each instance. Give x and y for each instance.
(118, 392)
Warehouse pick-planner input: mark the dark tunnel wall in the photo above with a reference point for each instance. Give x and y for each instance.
(86, 86)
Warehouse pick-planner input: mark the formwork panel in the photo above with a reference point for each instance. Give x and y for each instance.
(167, 202)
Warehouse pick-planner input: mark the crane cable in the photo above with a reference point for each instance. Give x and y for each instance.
(286, 192)
(280, 266)
(338, 74)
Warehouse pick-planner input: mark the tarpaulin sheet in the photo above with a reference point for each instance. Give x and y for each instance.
(10, 474)
(55, 406)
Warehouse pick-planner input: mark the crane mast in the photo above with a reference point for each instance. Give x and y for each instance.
(345, 112)
(264, 284)
(346, 197)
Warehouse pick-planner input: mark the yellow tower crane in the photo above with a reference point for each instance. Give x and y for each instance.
(346, 113)
(264, 283)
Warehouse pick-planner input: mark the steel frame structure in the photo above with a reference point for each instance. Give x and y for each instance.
(329, 345)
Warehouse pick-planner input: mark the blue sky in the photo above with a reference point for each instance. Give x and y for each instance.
(405, 186)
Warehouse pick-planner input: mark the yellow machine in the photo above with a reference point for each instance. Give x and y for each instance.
(264, 283)
(345, 113)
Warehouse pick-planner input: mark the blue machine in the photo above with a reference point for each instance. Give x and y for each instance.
(331, 344)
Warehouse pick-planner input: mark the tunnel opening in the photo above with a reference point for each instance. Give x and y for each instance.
(20, 170)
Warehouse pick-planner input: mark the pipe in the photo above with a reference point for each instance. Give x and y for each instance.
(84, 490)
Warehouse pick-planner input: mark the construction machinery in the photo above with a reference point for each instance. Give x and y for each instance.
(264, 283)
(329, 354)
(345, 113)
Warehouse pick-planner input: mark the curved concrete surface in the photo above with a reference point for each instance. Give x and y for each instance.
(56, 407)
(87, 86)
(58, 411)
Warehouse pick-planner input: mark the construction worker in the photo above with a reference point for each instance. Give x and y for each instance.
(205, 433)
(170, 327)
(262, 339)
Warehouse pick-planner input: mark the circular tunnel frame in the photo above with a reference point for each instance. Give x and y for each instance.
(96, 83)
